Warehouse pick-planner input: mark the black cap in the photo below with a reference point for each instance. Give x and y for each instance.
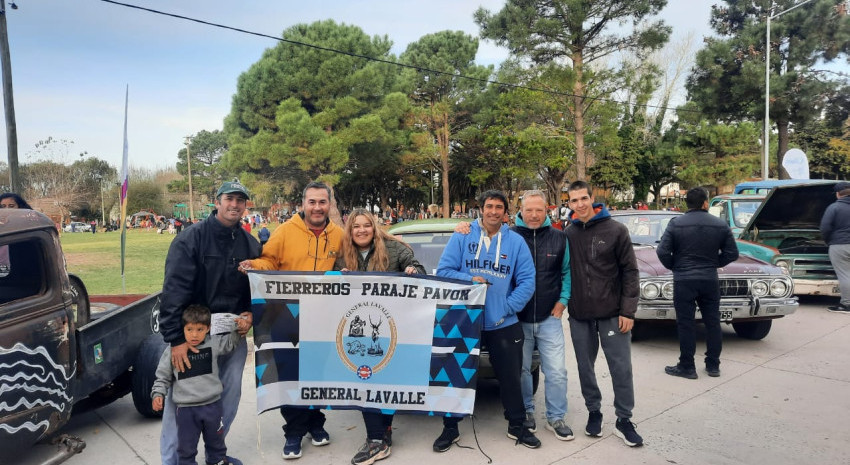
(842, 186)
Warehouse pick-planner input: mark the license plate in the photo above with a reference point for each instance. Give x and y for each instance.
(726, 315)
(835, 290)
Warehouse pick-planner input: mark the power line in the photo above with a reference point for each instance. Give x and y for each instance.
(381, 60)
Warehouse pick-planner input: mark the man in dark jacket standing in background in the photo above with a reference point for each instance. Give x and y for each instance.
(603, 301)
(835, 229)
(694, 246)
(202, 268)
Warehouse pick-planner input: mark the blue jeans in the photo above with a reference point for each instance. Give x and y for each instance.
(230, 368)
(549, 335)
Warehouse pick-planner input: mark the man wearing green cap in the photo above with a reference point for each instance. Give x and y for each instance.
(202, 267)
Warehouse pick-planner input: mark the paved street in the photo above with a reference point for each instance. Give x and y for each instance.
(783, 400)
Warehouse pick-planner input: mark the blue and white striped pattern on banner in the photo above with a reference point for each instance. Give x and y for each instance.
(384, 342)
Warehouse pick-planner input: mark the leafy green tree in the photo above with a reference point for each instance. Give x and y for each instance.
(299, 112)
(718, 154)
(206, 149)
(582, 32)
(728, 79)
(73, 185)
(97, 175)
(442, 100)
(828, 149)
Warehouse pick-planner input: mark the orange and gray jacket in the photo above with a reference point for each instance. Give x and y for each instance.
(294, 247)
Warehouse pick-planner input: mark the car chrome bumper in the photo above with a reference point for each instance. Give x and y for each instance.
(816, 287)
(731, 309)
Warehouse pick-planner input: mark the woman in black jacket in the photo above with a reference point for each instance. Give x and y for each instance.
(367, 247)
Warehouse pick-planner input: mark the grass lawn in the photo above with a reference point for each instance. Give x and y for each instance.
(96, 259)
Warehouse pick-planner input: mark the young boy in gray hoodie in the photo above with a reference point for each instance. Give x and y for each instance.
(197, 391)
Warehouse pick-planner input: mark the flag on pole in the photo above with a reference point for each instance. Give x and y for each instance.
(125, 177)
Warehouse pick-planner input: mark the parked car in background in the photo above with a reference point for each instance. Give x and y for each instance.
(764, 187)
(76, 226)
(428, 238)
(753, 293)
(736, 210)
(785, 231)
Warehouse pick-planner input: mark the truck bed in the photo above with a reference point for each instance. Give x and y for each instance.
(108, 345)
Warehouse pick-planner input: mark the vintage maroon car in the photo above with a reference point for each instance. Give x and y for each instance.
(753, 292)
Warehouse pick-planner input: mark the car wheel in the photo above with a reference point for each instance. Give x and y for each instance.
(80, 305)
(144, 374)
(755, 330)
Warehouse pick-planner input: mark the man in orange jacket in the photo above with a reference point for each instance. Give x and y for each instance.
(309, 241)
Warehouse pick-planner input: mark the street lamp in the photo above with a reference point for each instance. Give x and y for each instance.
(765, 164)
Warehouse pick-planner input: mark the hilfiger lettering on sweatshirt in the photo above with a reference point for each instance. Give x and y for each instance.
(487, 266)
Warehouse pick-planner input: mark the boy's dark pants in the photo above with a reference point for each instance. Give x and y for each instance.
(193, 422)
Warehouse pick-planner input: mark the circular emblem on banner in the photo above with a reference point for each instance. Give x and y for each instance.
(364, 372)
(366, 338)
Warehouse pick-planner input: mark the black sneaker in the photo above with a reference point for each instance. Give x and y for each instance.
(529, 422)
(292, 448)
(319, 436)
(714, 372)
(448, 437)
(523, 436)
(594, 424)
(561, 430)
(625, 430)
(388, 436)
(676, 370)
(840, 308)
(370, 452)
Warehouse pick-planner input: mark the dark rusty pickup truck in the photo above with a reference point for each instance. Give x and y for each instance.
(54, 352)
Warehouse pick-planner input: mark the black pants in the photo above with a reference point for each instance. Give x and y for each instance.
(686, 296)
(193, 422)
(505, 346)
(377, 424)
(301, 420)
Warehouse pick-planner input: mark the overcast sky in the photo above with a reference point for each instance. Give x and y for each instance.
(71, 61)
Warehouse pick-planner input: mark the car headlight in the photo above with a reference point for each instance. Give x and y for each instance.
(785, 265)
(650, 291)
(667, 290)
(759, 288)
(778, 288)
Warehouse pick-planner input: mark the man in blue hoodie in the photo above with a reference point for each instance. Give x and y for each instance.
(494, 255)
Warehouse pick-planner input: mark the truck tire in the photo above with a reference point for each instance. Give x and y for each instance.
(144, 374)
(755, 330)
(80, 301)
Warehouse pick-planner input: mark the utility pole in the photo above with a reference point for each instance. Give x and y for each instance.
(11, 128)
(102, 205)
(189, 169)
(765, 163)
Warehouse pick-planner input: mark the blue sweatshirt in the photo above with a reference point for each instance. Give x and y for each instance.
(506, 264)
